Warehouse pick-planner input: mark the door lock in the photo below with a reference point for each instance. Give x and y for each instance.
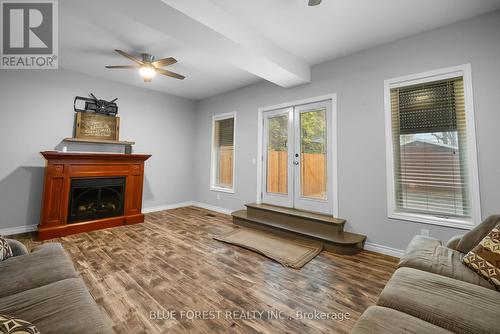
(296, 163)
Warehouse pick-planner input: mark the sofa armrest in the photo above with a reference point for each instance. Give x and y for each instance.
(453, 242)
(17, 247)
(418, 252)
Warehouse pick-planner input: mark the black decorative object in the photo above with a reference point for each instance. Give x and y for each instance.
(94, 105)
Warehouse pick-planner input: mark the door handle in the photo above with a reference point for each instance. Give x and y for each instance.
(296, 163)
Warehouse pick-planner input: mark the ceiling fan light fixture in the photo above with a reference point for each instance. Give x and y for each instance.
(314, 2)
(147, 73)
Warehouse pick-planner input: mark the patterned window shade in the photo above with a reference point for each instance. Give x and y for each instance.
(427, 108)
(430, 149)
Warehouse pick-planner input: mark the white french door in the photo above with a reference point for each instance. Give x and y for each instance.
(297, 157)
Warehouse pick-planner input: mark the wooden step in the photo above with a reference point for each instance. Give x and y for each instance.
(255, 209)
(296, 220)
(339, 242)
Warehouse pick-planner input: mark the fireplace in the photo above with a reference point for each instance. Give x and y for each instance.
(90, 191)
(96, 198)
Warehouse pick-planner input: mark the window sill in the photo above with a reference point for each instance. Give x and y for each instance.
(464, 224)
(222, 190)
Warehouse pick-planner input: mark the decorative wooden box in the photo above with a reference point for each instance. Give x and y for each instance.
(96, 126)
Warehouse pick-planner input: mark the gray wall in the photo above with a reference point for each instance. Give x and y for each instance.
(358, 81)
(36, 113)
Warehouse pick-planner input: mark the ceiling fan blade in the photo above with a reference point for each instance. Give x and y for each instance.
(122, 66)
(130, 57)
(314, 2)
(164, 62)
(169, 74)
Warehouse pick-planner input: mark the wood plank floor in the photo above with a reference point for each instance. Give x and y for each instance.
(171, 263)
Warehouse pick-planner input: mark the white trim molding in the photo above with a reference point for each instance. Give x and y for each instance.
(463, 71)
(184, 204)
(334, 150)
(213, 168)
(213, 208)
(384, 249)
(167, 207)
(18, 230)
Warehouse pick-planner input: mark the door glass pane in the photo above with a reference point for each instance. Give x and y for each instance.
(313, 164)
(277, 155)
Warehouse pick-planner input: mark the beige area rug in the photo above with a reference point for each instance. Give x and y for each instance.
(289, 252)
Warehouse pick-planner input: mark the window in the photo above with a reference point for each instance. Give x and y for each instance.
(223, 153)
(431, 157)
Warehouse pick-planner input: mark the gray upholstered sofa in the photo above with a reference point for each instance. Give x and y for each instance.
(434, 292)
(42, 287)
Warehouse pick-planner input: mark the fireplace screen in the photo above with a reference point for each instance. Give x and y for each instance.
(96, 198)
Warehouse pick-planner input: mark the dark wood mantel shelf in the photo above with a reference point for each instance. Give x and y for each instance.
(62, 167)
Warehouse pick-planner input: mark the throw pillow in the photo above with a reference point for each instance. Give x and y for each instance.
(5, 250)
(13, 325)
(485, 257)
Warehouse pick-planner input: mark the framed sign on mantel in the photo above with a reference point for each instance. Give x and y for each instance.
(97, 126)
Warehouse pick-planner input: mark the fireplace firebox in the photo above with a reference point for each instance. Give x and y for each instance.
(96, 198)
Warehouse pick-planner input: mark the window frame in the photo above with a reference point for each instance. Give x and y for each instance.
(463, 71)
(213, 166)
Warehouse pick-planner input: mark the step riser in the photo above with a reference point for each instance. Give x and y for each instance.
(296, 222)
(329, 246)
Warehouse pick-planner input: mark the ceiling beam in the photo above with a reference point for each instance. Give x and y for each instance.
(206, 26)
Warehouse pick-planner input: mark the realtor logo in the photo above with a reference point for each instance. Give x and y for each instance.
(29, 38)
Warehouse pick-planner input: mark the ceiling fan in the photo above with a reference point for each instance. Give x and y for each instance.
(148, 66)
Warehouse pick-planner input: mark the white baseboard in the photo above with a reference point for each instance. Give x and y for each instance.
(188, 203)
(167, 207)
(213, 208)
(384, 249)
(18, 230)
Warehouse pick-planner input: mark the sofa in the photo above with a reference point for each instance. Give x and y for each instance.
(43, 287)
(432, 291)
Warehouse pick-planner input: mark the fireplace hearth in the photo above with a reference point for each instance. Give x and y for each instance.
(96, 198)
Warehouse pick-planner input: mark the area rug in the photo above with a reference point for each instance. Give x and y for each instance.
(289, 252)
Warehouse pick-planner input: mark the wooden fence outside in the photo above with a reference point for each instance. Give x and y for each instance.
(225, 172)
(313, 172)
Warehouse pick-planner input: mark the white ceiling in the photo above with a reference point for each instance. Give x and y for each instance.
(221, 45)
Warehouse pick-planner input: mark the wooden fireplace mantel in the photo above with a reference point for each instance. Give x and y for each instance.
(64, 166)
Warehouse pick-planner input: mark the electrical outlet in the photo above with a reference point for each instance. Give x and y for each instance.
(425, 233)
(218, 196)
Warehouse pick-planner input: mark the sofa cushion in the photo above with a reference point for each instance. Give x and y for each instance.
(474, 236)
(427, 254)
(5, 250)
(454, 305)
(384, 320)
(48, 263)
(485, 257)
(14, 325)
(64, 307)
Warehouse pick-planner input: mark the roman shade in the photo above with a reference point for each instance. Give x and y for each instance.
(224, 132)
